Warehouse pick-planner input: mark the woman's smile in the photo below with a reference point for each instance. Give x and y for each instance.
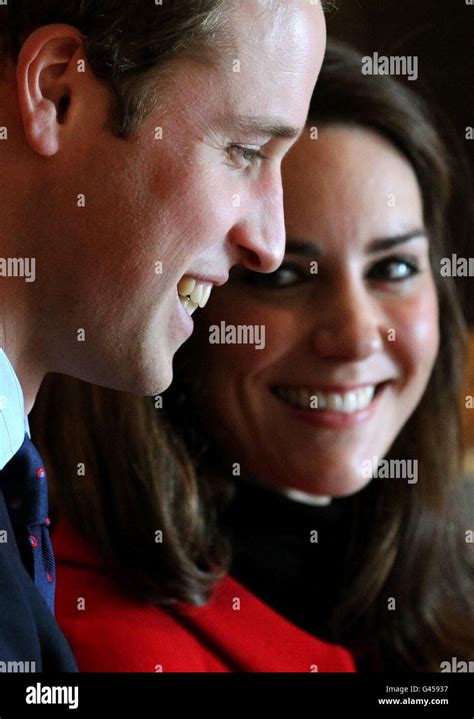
(349, 349)
(341, 409)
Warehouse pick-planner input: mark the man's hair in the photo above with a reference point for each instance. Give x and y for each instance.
(127, 41)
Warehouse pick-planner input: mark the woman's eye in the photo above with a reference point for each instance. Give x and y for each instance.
(284, 276)
(394, 269)
(244, 156)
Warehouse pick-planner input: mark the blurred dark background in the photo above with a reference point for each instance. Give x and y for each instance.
(441, 34)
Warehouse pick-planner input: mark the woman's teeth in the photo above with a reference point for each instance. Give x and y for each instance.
(345, 402)
(193, 294)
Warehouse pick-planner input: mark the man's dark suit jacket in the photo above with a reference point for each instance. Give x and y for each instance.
(28, 631)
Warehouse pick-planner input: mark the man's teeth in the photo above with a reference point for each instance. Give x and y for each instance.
(193, 294)
(188, 305)
(345, 402)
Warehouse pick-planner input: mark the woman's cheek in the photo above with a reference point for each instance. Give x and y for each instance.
(280, 329)
(416, 325)
(252, 334)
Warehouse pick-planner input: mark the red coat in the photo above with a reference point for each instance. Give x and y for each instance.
(108, 632)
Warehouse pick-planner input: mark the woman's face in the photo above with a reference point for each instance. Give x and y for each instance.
(347, 327)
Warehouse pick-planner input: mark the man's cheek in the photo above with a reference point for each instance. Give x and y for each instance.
(201, 210)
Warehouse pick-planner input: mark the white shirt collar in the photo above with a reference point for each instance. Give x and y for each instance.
(305, 498)
(13, 423)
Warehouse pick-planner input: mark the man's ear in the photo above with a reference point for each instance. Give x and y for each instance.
(45, 75)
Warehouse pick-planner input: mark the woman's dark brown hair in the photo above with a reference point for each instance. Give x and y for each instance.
(125, 467)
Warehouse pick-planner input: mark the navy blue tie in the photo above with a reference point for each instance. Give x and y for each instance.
(25, 487)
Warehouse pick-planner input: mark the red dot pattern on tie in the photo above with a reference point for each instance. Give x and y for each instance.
(23, 482)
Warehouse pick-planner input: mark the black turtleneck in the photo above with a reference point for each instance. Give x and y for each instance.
(277, 557)
(290, 554)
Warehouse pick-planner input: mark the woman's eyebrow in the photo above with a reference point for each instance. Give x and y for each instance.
(302, 247)
(386, 243)
(310, 248)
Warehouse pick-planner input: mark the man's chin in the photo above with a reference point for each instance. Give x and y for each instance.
(151, 379)
(157, 383)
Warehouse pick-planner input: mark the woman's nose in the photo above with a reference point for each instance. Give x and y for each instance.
(350, 326)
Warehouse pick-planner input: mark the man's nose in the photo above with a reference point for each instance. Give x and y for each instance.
(259, 235)
(350, 327)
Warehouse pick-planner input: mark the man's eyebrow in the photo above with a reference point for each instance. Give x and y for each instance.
(386, 243)
(265, 126)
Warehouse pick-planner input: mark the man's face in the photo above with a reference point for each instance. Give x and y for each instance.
(188, 197)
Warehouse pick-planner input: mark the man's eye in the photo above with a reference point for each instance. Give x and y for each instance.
(394, 269)
(244, 156)
(285, 276)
